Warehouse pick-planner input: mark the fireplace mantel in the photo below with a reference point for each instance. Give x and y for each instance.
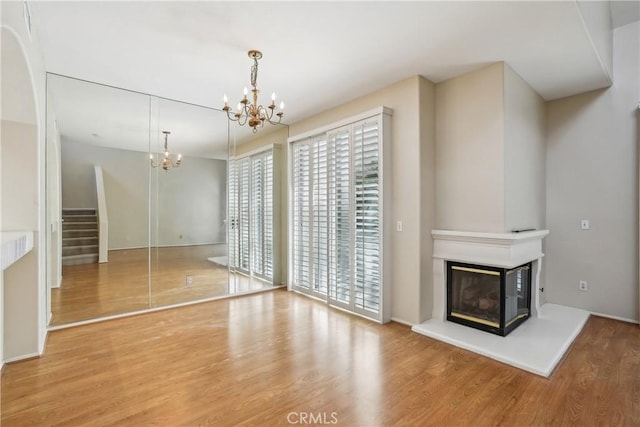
(505, 250)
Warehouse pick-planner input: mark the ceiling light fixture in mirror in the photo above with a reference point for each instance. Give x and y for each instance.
(167, 161)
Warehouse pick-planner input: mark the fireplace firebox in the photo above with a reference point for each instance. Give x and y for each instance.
(491, 299)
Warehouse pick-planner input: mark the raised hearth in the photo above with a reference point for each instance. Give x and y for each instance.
(535, 346)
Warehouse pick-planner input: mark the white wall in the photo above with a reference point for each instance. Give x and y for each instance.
(407, 142)
(596, 16)
(126, 181)
(189, 203)
(592, 171)
(470, 152)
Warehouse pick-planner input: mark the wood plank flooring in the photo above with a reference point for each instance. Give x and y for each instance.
(266, 359)
(130, 282)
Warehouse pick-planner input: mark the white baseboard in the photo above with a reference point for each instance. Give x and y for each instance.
(23, 357)
(622, 319)
(401, 321)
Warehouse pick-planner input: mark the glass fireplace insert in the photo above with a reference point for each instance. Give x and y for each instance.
(492, 299)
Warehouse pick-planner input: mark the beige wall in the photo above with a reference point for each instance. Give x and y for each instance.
(20, 212)
(404, 98)
(524, 154)
(490, 133)
(427, 194)
(470, 152)
(592, 168)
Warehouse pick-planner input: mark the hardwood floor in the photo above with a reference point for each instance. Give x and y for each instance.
(266, 359)
(124, 284)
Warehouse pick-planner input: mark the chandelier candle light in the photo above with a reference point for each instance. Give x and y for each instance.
(167, 162)
(254, 113)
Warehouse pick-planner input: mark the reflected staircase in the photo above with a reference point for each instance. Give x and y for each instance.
(79, 236)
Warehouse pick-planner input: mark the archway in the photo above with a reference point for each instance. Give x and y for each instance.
(19, 202)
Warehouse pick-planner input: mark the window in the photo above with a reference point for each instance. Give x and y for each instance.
(336, 223)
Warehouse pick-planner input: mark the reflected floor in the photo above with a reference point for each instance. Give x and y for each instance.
(123, 284)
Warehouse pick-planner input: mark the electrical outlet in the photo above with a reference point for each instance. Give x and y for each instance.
(582, 285)
(188, 280)
(399, 226)
(584, 224)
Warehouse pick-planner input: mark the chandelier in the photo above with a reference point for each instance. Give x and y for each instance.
(254, 113)
(167, 161)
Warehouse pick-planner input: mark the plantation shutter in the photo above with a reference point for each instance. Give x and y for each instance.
(367, 216)
(336, 213)
(339, 217)
(233, 216)
(301, 215)
(257, 214)
(244, 192)
(320, 211)
(268, 216)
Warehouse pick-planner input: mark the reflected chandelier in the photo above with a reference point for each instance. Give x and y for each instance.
(167, 161)
(254, 113)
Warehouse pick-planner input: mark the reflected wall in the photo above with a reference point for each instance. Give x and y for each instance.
(163, 230)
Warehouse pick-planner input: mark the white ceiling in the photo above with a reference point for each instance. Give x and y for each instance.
(316, 54)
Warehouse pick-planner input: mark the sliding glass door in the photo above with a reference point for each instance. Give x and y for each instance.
(252, 250)
(336, 217)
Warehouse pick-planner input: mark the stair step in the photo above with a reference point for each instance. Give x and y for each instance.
(79, 226)
(79, 250)
(79, 218)
(70, 234)
(78, 211)
(79, 241)
(80, 259)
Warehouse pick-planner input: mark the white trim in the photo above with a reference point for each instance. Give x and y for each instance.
(22, 357)
(341, 123)
(402, 322)
(489, 238)
(166, 246)
(103, 221)
(154, 309)
(621, 319)
(260, 150)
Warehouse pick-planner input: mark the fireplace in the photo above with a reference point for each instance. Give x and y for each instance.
(491, 299)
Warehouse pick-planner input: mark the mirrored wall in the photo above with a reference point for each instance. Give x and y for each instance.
(138, 197)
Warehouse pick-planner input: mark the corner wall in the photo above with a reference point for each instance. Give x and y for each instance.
(524, 155)
(592, 167)
(470, 151)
